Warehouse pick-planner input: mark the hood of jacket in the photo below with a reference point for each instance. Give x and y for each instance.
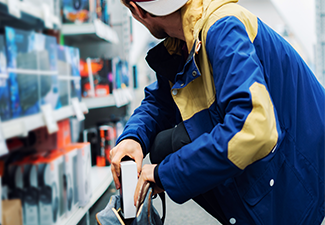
(194, 14)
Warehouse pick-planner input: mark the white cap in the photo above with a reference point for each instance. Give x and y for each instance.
(160, 7)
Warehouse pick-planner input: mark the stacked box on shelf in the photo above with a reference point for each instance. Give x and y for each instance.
(101, 70)
(64, 71)
(32, 71)
(75, 83)
(83, 11)
(80, 11)
(47, 65)
(22, 67)
(69, 73)
(5, 113)
(121, 74)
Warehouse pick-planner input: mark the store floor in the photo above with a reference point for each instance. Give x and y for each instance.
(188, 213)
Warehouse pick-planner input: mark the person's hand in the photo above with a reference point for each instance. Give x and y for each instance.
(146, 175)
(127, 147)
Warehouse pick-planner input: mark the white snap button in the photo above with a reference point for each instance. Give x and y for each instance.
(271, 182)
(174, 92)
(194, 73)
(232, 220)
(182, 84)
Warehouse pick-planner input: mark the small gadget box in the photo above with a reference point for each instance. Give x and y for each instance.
(129, 179)
(70, 191)
(50, 173)
(83, 171)
(5, 112)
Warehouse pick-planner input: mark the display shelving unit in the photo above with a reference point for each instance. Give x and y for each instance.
(93, 31)
(28, 14)
(101, 178)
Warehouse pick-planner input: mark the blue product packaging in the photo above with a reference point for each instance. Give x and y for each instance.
(47, 66)
(75, 83)
(22, 69)
(78, 11)
(5, 113)
(64, 71)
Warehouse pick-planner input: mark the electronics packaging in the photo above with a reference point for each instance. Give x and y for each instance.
(91, 135)
(106, 134)
(79, 11)
(83, 171)
(47, 65)
(21, 60)
(70, 191)
(5, 113)
(120, 73)
(75, 83)
(50, 182)
(101, 70)
(129, 179)
(69, 74)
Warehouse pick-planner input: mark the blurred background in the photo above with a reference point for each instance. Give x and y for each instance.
(71, 74)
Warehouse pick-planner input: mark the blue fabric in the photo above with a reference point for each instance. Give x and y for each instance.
(296, 165)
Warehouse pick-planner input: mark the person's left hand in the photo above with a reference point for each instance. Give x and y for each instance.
(146, 175)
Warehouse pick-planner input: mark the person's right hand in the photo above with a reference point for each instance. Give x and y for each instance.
(127, 147)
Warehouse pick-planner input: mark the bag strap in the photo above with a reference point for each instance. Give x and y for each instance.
(163, 201)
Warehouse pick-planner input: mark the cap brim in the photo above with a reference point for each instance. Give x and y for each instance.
(162, 7)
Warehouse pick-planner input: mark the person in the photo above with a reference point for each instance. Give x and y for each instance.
(251, 108)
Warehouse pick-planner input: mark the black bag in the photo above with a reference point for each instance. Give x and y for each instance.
(146, 213)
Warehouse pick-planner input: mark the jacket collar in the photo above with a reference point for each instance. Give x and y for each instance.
(167, 57)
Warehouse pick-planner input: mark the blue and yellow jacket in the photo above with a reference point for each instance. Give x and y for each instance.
(254, 112)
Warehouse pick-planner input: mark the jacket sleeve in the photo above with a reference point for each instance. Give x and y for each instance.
(156, 113)
(248, 131)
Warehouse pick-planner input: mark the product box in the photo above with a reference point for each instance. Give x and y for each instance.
(5, 113)
(129, 179)
(50, 181)
(106, 134)
(45, 46)
(70, 191)
(91, 135)
(101, 70)
(64, 71)
(22, 67)
(78, 11)
(75, 83)
(69, 73)
(83, 171)
(120, 73)
(43, 141)
(12, 212)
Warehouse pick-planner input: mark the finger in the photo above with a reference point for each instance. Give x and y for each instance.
(138, 160)
(115, 177)
(138, 189)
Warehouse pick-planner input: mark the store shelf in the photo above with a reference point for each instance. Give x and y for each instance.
(119, 98)
(95, 31)
(101, 178)
(31, 14)
(21, 126)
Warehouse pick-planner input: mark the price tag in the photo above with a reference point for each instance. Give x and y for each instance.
(117, 98)
(47, 16)
(13, 8)
(100, 29)
(3, 146)
(50, 121)
(77, 109)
